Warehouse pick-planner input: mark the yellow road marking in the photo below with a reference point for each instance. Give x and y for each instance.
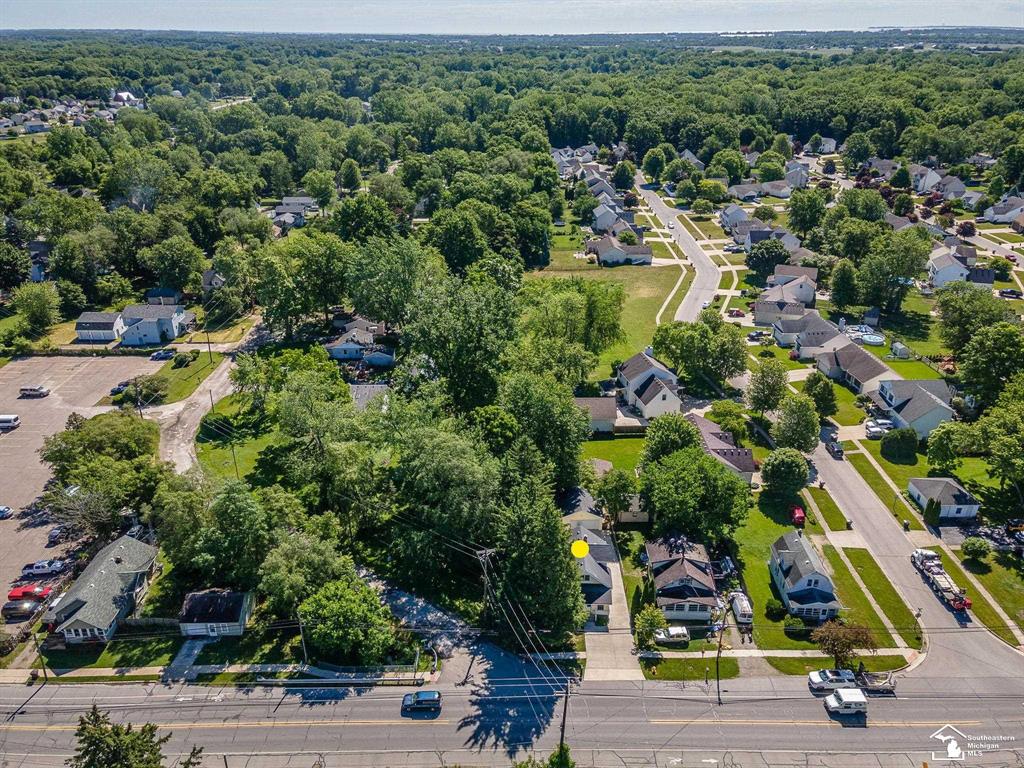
(254, 724)
(872, 723)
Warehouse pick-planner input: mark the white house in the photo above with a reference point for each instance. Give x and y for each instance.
(732, 215)
(921, 404)
(944, 267)
(215, 613)
(99, 327)
(691, 158)
(610, 251)
(809, 329)
(951, 187)
(358, 344)
(800, 578)
(684, 585)
(656, 397)
(579, 509)
(601, 411)
(636, 378)
(954, 501)
(1006, 211)
(797, 174)
(828, 146)
(852, 365)
(154, 323)
(781, 188)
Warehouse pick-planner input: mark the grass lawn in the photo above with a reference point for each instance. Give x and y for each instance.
(691, 227)
(847, 413)
(181, 382)
(779, 353)
(888, 599)
(661, 250)
(735, 258)
(834, 519)
(94, 679)
(789, 665)
(747, 280)
(882, 490)
(1002, 575)
(622, 452)
(689, 669)
(258, 645)
(765, 523)
(708, 227)
(223, 334)
(253, 440)
(630, 541)
(725, 281)
(123, 651)
(858, 610)
(908, 369)
(166, 593)
(981, 608)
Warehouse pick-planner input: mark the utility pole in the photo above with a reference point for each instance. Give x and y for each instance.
(35, 642)
(235, 460)
(302, 636)
(213, 407)
(565, 715)
(718, 661)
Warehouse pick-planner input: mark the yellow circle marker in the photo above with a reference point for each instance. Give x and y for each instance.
(580, 549)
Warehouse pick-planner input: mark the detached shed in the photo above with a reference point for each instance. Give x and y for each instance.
(215, 613)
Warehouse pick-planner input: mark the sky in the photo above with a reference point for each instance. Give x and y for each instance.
(503, 16)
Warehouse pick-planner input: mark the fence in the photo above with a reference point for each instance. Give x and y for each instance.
(148, 622)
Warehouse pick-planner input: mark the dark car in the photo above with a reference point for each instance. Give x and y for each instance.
(6, 512)
(17, 610)
(119, 388)
(162, 354)
(835, 449)
(1010, 293)
(422, 701)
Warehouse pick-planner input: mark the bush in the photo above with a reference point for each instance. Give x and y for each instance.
(774, 609)
(899, 444)
(146, 389)
(975, 548)
(794, 627)
(181, 360)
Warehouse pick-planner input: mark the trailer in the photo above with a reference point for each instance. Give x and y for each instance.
(876, 682)
(929, 564)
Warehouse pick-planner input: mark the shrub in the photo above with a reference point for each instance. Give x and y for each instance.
(899, 444)
(774, 609)
(794, 627)
(975, 548)
(181, 360)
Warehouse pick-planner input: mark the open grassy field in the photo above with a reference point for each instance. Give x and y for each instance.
(888, 599)
(622, 452)
(981, 609)
(858, 609)
(708, 227)
(123, 651)
(790, 665)
(689, 669)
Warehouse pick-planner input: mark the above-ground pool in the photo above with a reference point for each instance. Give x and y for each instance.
(873, 339)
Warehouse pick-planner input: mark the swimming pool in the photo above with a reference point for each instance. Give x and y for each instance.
(873, 339)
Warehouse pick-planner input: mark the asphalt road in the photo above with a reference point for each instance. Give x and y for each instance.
(707, 276)
(770, 721)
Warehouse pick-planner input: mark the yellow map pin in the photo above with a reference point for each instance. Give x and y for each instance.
(579, 549)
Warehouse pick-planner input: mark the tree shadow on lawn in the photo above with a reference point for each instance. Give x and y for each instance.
(998, 505)
(910, 325)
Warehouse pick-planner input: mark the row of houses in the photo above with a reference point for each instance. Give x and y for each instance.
(135, 325)
(68, 112)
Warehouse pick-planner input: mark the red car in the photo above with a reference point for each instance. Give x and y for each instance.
(35, 592)
(736, 313)
(797, 516)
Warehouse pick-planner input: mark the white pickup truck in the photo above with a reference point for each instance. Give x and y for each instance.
(43, 568)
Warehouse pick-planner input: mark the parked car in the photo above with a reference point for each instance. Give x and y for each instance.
(422, 701)
(43, 568)
(733, 248)
(38, 391)
(883, 424)
(755, 335)
(874, 433)
(834, 448)
(737, 313)
(672, 635)
(119, 388)
(1010, 293)
(162, 354)
(705, 305)
(797, 515)
(18, 610)
(56, 535)
(35, 592)
(831, 679)
(6, 512)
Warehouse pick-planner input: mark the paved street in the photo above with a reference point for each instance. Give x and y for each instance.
(705, 281)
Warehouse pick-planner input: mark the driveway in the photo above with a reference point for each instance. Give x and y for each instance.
(610, 653)
(705, 281)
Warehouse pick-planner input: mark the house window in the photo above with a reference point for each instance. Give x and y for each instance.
(959, 511)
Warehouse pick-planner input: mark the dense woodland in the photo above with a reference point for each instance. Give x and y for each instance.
(481, 431)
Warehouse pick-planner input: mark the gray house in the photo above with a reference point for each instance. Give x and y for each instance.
(215, 613)
(800, 578)
(154, 323)
(108, 590)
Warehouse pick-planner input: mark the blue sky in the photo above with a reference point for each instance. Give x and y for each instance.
(502, 16)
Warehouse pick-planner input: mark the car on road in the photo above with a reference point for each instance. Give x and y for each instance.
(706, 304)
(797, 516)
(671, 225)
(672, 635)
(6, 512)
(834, 448)
(37, 391)
(19, 610)
(1010, 293)
(848, 701)
(422, 701)
(831, 679)
(35, 592)
(162, 354)
(43, 567)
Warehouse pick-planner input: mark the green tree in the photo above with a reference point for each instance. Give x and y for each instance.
(119, 435)
(947, 444)
(345, 620)
(456, 234)
(384, 275)
(964, 309)
(858, 150)
(730, 416)
(992, 357)
(617, 489)
(351, 178)
(293, 569)
(622, 176)
(901, 178)
(15, 266)
(702, 207)
(782, 145)
(767, 386)
(797, 425)
(765, 213)
(784, 472)
(667, 434)
(691, 492)
(38, 304)
(821, 390)
(176, 263)
(888, 272)
(900, 444)
(105, 744)
(840, 641)
(806, 210)
(866, 204)
(902, 204)
(765, 256)
(648, 621)
(362, 216)
(320, 186)
(654, 163)
(975, 548)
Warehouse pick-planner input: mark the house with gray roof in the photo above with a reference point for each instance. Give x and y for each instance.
(1005, 211)
(580, 509)
(854, 366)
(731, 215)
(684, 586)
(742, 228)
(721, 446)
(215, 613)
(898, 223)
(611, 252)
(656, 397)
(108, 590)
(809, 329)
(154, 323)
(745, 192)
(99, 327)
(769, 309)
(691, 158)
(921, 404)
(799, 575)
(954, 502)
(601, 411)
(364, 394)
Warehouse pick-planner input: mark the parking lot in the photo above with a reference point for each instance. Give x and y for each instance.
(76, 384)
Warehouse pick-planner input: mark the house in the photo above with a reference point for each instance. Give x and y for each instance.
(782, 188)
(163, 296)
(982, 161)
(944, 267)
(797, 174)
(684, 586)
(731, 215)
(610, 251)
(827, 147)
(304, 202)
(212, 280)
(921, 404)
(289, 220)
(1006, 211)
(951, 187)
(635, 513)
(745, 192)
(106, 591)
(767, 312)
(154, 323)
(595, 569)
(579, 509)
(636, 376)
(808, 330)
(970, 199)
(800, 578)
(852, 365)
(953, 500)
(604, 218)
(599, 186)
(786, 273)
(601, 411)
(898, 223)
(983, 277)
(752, 157)
(755, 236)
(1018, 224)
(215, 613)
(364, 394)
(741, 229)
(691, 158)
(802, 290)
(36, 126)
(721, 446)
(358, 344)
(99, 327)
(885, 168)
(39, 253)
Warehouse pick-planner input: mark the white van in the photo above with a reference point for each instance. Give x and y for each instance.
(742, 609)
(34, 391)
(847, 701)
(10, 421)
